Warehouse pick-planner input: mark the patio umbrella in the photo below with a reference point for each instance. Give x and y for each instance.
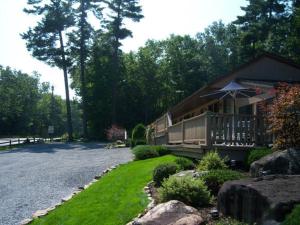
(233, 90)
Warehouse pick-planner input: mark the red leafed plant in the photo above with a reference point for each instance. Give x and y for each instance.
(283, 116)
(115, 133)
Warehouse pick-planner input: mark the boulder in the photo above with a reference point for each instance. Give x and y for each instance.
(171, 213)
(260, 200)
(280, 162)
(191, 173)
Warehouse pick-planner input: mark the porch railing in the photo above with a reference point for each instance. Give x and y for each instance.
(220, 129)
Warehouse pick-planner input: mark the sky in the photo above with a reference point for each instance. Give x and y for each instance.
(161, 18)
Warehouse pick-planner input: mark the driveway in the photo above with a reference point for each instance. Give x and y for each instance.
(38, 176)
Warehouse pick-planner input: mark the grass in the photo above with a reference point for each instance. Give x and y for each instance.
(114, 200)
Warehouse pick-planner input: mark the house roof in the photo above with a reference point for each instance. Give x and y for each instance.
(267, 67)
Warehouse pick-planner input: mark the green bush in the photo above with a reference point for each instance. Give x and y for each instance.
(214, 179)
(185, 163)
(211, 161)
(144, 152)
(137, 142)
(138, 135)
(293, 218)
(161, 150)
(229, 221)
(185, 189)
(257, 154)
(163, 171)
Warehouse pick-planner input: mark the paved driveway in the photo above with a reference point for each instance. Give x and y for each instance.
(38, 176)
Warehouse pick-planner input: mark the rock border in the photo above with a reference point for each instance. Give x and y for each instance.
(44, 212)
(150, 206)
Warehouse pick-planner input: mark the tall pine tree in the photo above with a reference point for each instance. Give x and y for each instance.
(119, 10)
(46, 40)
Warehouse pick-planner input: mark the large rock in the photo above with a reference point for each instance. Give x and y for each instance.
(281, 162)
(171, 213)
(260, 200)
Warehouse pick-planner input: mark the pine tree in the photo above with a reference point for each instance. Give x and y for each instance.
(119, 11)
(46, 40)
(80, 41)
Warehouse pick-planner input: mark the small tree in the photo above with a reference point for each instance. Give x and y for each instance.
(283, 116)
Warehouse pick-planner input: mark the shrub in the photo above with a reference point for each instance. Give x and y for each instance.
(229, 221)
(144, 152)
(294, 217)
(138, 134)
(185, 164)
(214, 179)
(185, 189)
(257, 154)
(137, 142)
(163, 171)
(211, 161)
(283, 116)
(115, 133)
(161, 150)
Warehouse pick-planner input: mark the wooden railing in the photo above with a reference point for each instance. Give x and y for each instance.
(161, 125)
(220, 129)
(193, 130)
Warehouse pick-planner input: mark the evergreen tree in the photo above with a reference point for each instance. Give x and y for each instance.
(46, 40)
(81, 40)
(119, 10)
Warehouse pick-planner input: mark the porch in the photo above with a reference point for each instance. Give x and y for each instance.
(212, 130)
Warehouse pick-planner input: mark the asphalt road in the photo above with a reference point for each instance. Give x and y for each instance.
(39, 176)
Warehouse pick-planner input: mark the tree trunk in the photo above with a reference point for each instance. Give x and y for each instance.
(69, 117)
(82, 69)
(117, 67)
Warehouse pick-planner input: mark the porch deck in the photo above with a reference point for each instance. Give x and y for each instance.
(210, 131)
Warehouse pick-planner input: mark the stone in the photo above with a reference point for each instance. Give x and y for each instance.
(268, 198)
(26, 221)
(189, 220)
(40, 213)
(98, 177)
(168, 214)
(191, 173)
(67, 198)
(280, 162)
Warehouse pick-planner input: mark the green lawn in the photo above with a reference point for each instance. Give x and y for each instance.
(115, 199)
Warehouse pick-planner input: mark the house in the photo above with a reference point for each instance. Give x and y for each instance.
(215, 117)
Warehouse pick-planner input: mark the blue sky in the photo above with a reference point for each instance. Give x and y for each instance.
(162, 18)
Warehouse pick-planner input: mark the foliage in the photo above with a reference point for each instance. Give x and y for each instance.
(163, 171)
(185, 189)
(214, 179)
(211, 161)
(283, 116)
(139, 132)
(161, 150)
(229, 221)
(257, 154)
(149, 134)
(115, 199)
(185, 163)
(46, 40)
(294, 217)
(115, 133)
(28, 106)
(138, 135)
(144, 152)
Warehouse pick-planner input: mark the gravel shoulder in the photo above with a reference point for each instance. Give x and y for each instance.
(38, 176)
